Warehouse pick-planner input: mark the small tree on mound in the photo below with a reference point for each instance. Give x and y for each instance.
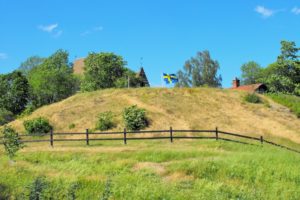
(11, 141)
(135, 118)
(37, 126)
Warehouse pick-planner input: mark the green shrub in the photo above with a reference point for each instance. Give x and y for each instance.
(71, 126)
(252, 98)
(11, 141)
(5, 116)
(37, 126)
(135, 118)
(105, 121)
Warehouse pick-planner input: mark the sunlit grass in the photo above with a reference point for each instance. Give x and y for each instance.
(155, 170)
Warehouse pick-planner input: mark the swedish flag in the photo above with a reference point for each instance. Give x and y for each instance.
(170, 78)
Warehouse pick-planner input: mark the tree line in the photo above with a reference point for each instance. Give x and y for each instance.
(41, 81)
(281, 76)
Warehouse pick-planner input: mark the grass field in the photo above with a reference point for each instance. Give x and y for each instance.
(203, 169)
(152, 170)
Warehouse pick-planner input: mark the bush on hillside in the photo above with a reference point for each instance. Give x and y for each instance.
(135, 118)
(105, 121)
(38, 126)
(5, 116)
(252, 98)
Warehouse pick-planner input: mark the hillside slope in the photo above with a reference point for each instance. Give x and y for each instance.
(200, 108)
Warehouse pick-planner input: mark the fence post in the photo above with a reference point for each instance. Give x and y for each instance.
(217, 134)
(261, 139)
(51, 137)
(125, 139)
(87, 136)
(171, 134)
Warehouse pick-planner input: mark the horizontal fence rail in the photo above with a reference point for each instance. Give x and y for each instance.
(123, 135)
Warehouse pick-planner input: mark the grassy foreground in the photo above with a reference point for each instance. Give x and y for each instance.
(152, 170)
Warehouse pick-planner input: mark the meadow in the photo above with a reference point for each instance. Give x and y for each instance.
(204, 169)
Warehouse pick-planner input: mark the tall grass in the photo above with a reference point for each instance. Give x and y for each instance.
(290, 101)
(153, 170)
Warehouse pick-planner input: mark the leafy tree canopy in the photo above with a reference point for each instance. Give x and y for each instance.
(30, 63)
(284, 74)
(14, 90)
(52, 80)
(200, 70)
(102, 70)
(251, 73)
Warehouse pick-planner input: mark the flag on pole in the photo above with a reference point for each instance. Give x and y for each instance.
(170, 78)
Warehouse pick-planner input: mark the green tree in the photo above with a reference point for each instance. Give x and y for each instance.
(199, 71)
(102, 70)
(251, 73)
(30, 63)
(14, 90)
(284, 74)
(53, 80)
(11, 141)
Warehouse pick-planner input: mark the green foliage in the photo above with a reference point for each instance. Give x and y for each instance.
(102, 70)
(71, 126)
(284, 75)
(28, 110)
(30, 63)
(105, 121)
(11, 141)
(14, 89)
(5, 116)
(199, 71)
(135, 118)
(38, 126)
(252, 98)
(37, 188)
(290, 101)
(53, 80)
(134, 81)
(251, 73)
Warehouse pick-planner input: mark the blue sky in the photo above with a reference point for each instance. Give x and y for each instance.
(165, 33)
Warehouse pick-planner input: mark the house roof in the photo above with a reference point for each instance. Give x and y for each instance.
(78, 66)
(250, 88)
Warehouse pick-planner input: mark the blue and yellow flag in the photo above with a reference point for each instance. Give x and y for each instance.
(170, 78)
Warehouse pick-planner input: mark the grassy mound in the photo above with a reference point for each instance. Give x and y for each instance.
(181, 108)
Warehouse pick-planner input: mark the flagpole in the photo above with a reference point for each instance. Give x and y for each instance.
(161, 79)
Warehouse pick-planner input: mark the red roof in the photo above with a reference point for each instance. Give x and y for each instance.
(250, 88)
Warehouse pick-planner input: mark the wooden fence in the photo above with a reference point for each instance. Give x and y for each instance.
(124, 136)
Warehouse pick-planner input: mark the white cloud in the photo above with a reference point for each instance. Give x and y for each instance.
(52, 29)
(98, 28)
(265, 12)
(296, 10)
(57, 33)
(92, 30)
(48, 28)
(3, 56)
